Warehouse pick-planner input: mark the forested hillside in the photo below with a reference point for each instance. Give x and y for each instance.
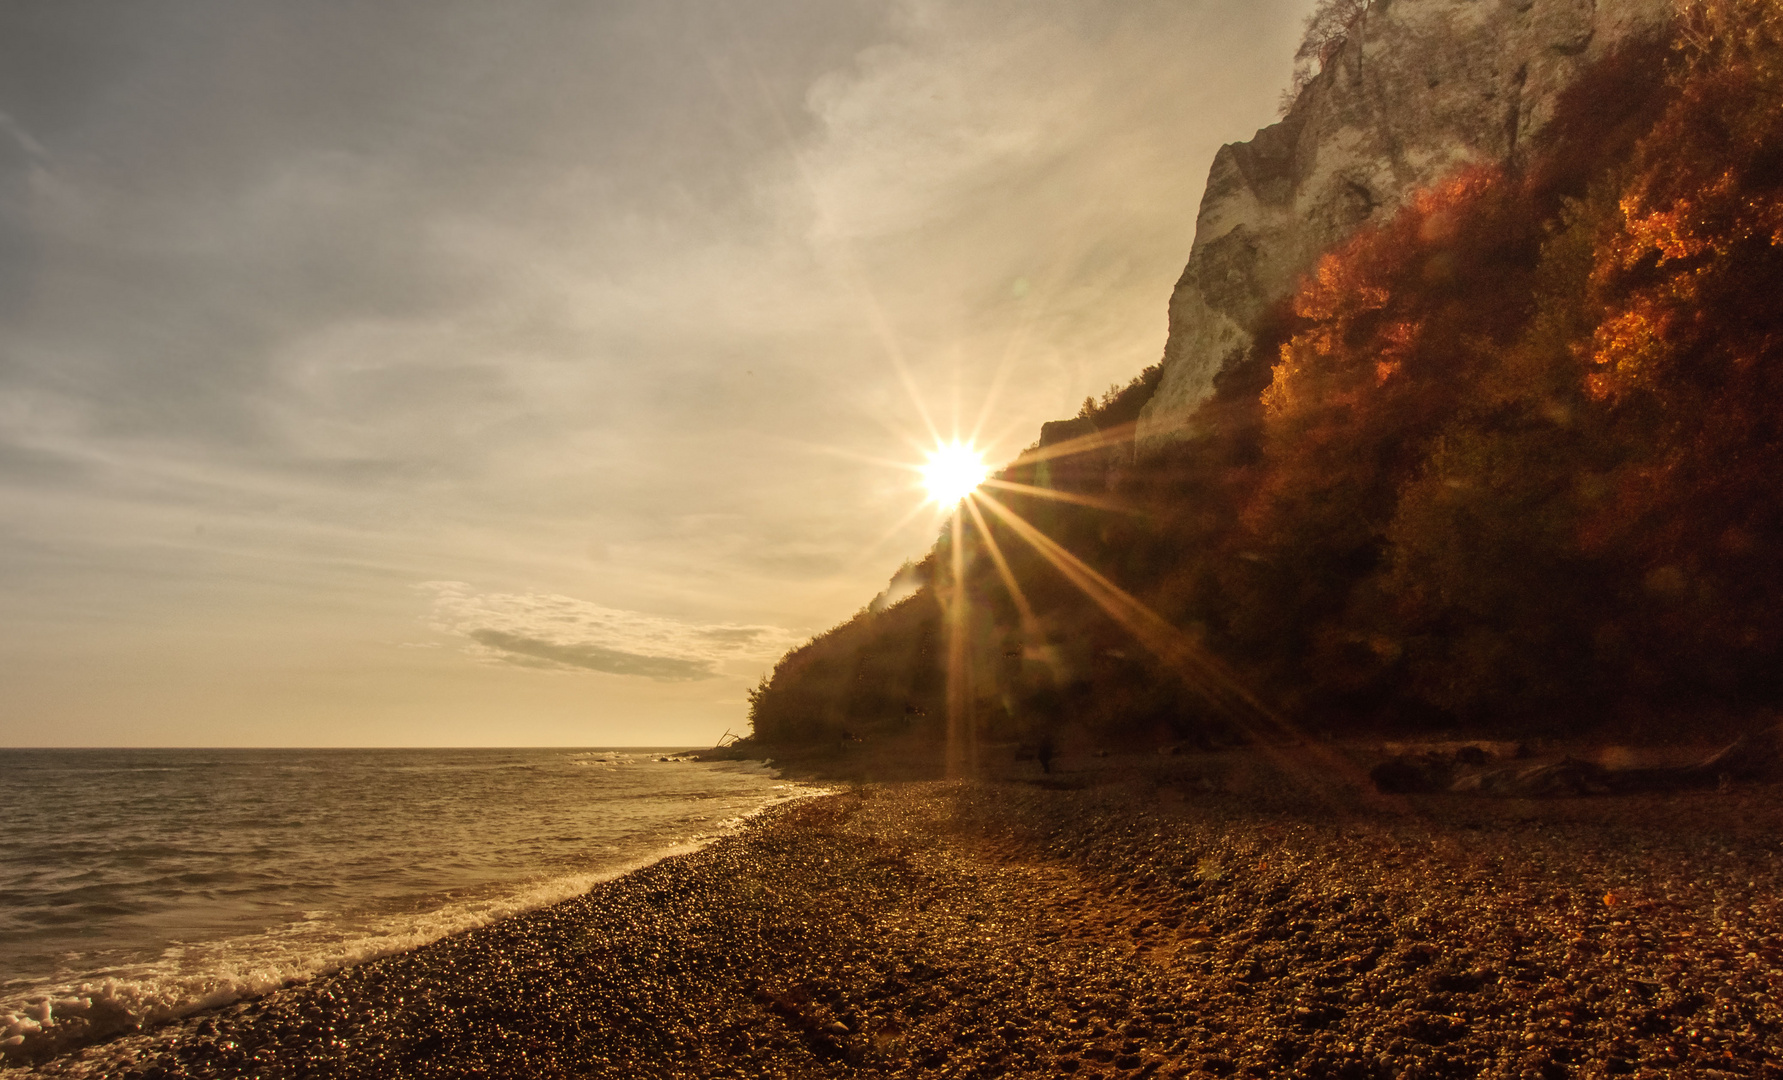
(1509, 460)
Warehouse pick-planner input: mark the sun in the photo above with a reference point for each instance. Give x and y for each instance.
(954, 471)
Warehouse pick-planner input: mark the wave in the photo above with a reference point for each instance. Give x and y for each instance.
(378, 895)
(191, 978)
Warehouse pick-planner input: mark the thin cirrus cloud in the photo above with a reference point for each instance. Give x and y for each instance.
(562, 633)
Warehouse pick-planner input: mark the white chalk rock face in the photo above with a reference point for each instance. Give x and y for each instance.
(1417, 89)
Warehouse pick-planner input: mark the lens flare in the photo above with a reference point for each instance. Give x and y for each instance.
(954, 471)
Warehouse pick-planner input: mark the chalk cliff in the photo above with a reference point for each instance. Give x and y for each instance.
(1416, 89)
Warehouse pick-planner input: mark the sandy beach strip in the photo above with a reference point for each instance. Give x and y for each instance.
(1201, 918)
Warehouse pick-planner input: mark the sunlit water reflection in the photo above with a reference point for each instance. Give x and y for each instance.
(141, 884)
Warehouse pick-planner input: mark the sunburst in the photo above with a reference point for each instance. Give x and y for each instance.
(958, 481)
(954, 471)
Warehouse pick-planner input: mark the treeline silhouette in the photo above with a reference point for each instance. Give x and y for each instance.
(1510, 460)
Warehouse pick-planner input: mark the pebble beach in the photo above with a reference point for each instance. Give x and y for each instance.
(1194, 916)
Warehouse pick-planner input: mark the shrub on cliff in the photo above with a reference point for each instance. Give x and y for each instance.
(875, 675)
(1597, 523)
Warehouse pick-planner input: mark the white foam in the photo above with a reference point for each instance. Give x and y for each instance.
(190, 977)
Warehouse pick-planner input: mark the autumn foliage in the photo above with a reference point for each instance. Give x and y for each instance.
(1512, 457)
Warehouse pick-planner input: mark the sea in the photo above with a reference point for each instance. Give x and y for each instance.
(138, 886)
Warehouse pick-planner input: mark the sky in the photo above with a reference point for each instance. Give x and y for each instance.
(440, 373)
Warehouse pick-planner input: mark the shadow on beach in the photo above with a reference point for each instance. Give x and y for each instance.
(1120, 916)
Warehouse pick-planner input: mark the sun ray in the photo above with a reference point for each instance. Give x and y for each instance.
(915, 512)
(848, 273)
(1119, 435)
(1203, 673)
(914, 438)
(1009, 433)
(998, 379)
(1032, 632)
(1097, 587)
(1097, 501)
(1152, 630)
(895, 355)
(961, 750)
(1071, 236)
(850, 455)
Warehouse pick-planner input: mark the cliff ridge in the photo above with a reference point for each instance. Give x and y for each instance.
(1416, 89)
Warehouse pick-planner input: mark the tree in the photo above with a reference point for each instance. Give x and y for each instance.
(1327, 28)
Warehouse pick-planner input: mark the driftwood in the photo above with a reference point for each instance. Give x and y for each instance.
(1753, 758)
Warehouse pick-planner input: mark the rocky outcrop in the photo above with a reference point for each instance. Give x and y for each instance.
(1075, 455)
(1756, 757)
(1417, 89)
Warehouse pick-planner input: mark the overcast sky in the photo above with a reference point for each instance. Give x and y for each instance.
(458, 373)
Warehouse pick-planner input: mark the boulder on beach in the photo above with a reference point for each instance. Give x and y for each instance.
(1756, 757)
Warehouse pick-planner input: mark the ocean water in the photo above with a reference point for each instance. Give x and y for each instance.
(141, 885)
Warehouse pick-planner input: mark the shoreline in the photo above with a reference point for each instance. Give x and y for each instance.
(1185, 917)
(212, 930)
(120, 1002)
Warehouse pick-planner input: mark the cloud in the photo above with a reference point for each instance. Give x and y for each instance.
(594, 658)
(562, 633)
(303, 303)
